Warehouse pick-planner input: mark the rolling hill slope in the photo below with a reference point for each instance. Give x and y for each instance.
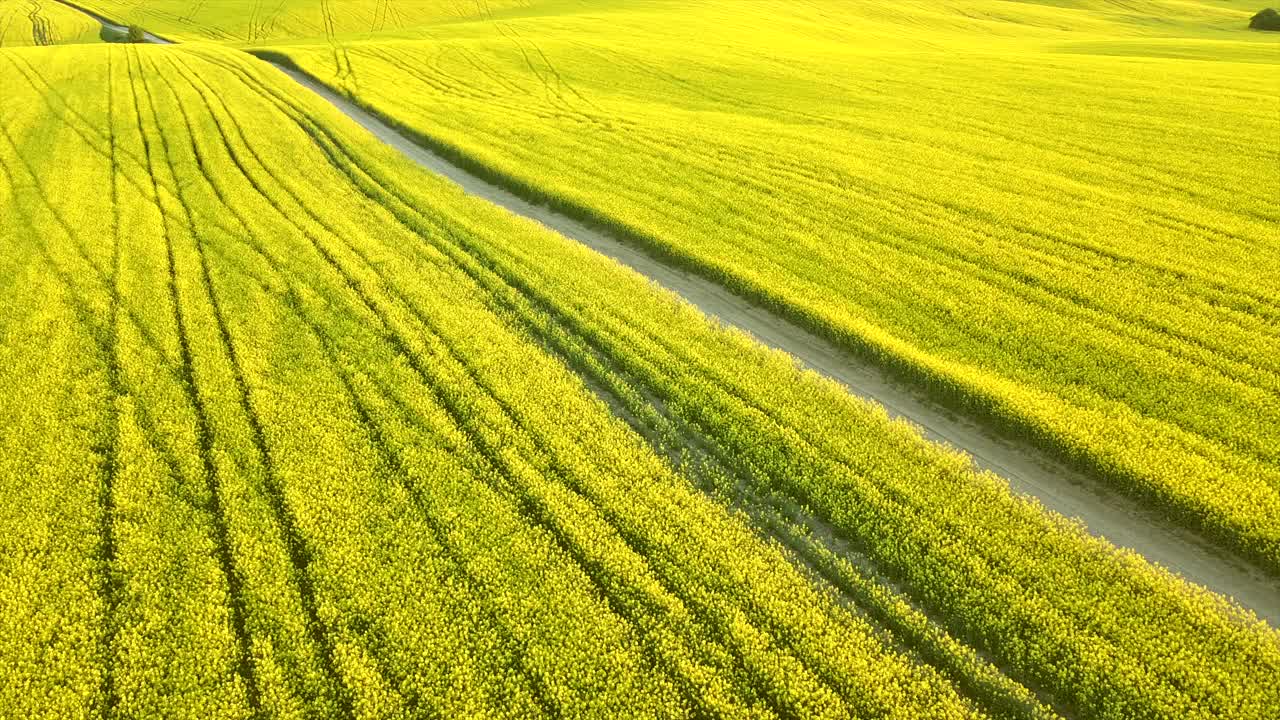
(43, 22)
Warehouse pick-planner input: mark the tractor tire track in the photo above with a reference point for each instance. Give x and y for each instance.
(97, 271)
(398, 468)
(111, 586)
(297, 548)
(77, 122)
(102, 341)
(39, 31)
(235, 600)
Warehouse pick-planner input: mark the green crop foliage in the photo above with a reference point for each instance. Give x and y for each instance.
(296, 429)
(43, 22)
(1058, 216)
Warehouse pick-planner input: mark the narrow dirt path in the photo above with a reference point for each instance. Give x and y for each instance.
(1104, 511)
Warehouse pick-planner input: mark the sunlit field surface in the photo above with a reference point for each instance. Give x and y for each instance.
(294, 428)
(1059, 215)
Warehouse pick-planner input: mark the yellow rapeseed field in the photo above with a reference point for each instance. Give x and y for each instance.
(294, 428)
(1058, 215)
